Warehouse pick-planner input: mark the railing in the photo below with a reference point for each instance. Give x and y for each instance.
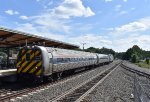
(5, 65)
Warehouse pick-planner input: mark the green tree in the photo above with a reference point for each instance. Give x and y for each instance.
(101, 51)
(131, 51)
(147, 61)
(134, 58)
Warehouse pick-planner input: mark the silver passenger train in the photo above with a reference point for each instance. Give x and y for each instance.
(43, 62)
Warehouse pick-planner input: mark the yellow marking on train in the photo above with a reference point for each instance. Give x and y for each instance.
(36, 52)
(23, 57)
(19, 70)
(23, 51)
(29, 51)
(32, 56)
(18, 63)
(31, 63)
(22, 66)
(35, 67)
(39, 72)
(27, 68)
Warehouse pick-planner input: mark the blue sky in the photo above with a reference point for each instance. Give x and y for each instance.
(116, 24)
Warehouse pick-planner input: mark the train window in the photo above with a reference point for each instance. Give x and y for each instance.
(80, 59)
(50, 60)
(54, 60)
(59, 60)
(28, 57)
(63, 60)
(37, 58)
(69, 59)
(73, 59)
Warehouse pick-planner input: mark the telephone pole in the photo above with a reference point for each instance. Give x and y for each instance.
(83, 45)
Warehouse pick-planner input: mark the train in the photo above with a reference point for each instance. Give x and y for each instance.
(43, 63)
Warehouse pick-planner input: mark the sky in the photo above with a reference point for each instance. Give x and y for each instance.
(115, 24)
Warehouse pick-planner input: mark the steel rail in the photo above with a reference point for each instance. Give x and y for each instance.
(139, 94)
(26, 91)
(136, 71)
(78, 93)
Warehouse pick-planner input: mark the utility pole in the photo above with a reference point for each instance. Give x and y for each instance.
(83, 45)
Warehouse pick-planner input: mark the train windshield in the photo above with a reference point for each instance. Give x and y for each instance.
(37, 58)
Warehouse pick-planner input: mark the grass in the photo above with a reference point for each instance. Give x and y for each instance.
(143, 65)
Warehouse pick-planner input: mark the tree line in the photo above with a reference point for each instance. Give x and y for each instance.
(134, 54)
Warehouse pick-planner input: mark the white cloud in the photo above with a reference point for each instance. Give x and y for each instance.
(132, 27)
(52, 23)
(108, 0)
(24, 17)
(125, 0)
(128, 41)
(117, 7)
(140, 25)
(130, 34)
(37, 0)
(57, 19)
(132, 8)
(72, 8)
(123, 12)
(40, 31)
(11, 12)
(92, 40)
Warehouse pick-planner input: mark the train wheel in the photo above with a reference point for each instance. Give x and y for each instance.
(47, 78)
(59, 75)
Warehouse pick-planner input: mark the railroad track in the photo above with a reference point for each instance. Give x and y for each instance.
(78, 93)
(139, 93)
(7, 94)
(136, 71)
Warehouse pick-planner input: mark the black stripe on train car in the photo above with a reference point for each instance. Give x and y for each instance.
(25, 60)
(33, 66)
(20, 57)
(22, 54)
(22, 60)
(28, 61)
(22, 63)
(40, 67)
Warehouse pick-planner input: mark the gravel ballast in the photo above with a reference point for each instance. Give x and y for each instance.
(142, 83)
(53, 91)
(118, 87)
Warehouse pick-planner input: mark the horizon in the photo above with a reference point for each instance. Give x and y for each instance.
(113, 24)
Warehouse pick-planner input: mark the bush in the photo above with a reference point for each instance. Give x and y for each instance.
(134, 58)
(147, 61)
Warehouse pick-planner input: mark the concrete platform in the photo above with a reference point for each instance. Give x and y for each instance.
(8, 75)
(7, 72)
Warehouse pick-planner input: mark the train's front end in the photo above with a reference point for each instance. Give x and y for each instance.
(29, 63)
